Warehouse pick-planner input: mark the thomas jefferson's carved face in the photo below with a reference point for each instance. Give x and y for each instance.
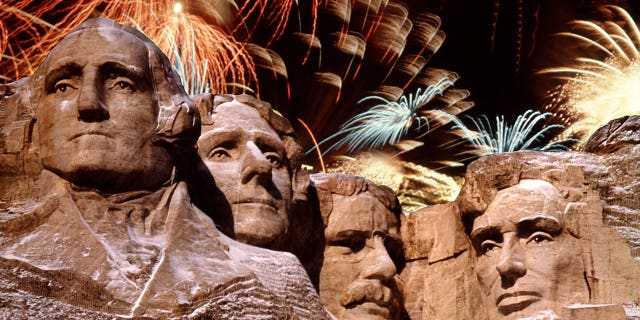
(527, 260)
(97, 116)
(247, 160)
(357, 279)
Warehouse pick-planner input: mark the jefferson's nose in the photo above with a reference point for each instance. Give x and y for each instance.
(378, 264)
(254, 164)
(91, 107)
(510, 266)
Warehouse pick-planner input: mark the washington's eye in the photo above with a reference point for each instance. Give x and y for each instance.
(487, 246)
(62, 87)
(539, 238)
(124, 86)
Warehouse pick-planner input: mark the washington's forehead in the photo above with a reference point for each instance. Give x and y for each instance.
(91, 42)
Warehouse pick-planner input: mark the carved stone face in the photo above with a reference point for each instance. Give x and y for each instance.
(357, 279)
(527, 260)
(97, 115)
(246, 158)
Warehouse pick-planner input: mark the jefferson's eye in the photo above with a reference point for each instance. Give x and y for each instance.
(274, 159)
(487, 246)
(539, 238)
(219, 153)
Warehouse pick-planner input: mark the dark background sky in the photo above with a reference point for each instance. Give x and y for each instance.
(498, 65)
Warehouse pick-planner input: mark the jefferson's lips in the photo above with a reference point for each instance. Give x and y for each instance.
(269, 202)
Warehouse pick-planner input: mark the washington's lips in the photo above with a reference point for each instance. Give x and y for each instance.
(90, 133)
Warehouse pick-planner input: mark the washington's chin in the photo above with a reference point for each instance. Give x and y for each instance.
(367, 311)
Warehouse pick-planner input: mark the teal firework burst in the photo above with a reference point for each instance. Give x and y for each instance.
(387, 121)
(525, 134)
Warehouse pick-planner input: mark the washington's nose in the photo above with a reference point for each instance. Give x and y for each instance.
(91, 107)
(254, 164)
(379, 264)
(511, 266)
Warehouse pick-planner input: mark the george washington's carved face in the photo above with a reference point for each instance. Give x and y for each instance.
(97, 116)
(527, 260)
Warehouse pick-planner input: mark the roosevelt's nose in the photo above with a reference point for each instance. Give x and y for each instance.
(378, 264)
(511, 266)
(91, 107)
(254, 165)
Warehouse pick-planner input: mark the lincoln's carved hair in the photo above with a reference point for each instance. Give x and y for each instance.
(178, 121)
(327, 184)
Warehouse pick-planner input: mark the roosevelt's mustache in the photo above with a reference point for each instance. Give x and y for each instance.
(370, 291)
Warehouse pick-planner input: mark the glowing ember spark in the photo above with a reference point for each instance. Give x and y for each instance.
(177, 8)
(601, 89)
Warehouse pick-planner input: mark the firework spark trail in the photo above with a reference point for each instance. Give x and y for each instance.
(275, 13)
(32, 39)
(598, 90)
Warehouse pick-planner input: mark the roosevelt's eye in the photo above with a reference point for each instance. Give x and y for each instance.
(487, 246)
(539, 238)
(352, 245)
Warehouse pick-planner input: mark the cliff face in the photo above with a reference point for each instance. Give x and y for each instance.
(601, 186)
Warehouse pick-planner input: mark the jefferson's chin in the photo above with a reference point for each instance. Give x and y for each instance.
(258, 224)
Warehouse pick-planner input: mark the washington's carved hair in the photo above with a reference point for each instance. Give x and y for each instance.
(326, 184)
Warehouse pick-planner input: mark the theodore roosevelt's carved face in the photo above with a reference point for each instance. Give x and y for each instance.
(358, 274)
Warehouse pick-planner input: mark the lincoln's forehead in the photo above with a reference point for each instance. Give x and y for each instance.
(528, 200)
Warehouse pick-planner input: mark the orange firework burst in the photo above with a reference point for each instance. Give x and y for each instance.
(602, 84)
(201, 49)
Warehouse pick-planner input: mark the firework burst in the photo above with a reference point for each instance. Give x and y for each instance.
(602, 83)
(212, 54)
